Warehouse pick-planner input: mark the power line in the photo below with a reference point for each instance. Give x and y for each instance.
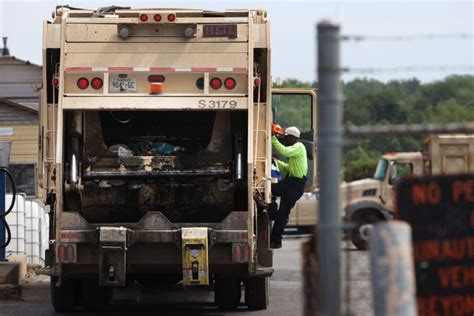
(403, 38)
(365, 131)
(464, 68)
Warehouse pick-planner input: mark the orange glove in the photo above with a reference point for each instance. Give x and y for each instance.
(277, 129)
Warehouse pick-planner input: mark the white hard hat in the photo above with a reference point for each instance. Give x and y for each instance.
(293, 131)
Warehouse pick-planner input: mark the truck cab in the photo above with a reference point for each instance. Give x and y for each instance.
(370, 200)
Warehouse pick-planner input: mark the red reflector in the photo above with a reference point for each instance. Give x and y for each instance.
(237, 253)
(55, 82)
(82, 83)
(143, 17)
(216, 83)
(61, 253)
(256, 82)
(230, 83)
(157, 17)
(246, 253)
(171, 17)
(70, 253)
(96, 83)
(156, 78)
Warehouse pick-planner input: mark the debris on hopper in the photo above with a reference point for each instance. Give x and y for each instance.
(151, 148)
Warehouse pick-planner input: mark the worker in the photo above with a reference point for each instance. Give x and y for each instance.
(291, 187)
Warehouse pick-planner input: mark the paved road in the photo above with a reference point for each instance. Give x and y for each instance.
(285, 300)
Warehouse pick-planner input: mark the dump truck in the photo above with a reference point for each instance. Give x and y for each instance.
(368, 201)
(155, 129)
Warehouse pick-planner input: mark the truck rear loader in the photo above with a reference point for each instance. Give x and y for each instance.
(154, 142)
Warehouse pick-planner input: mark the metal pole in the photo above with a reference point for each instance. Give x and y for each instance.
(329, 157)
(2, 211)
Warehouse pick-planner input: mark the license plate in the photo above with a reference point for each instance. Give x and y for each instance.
(123, 85)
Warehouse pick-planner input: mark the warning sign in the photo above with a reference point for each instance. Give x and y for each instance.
(441, 212)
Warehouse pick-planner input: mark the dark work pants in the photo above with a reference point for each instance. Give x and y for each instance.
(289, 190)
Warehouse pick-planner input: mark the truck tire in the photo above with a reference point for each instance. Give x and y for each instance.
(92, 294)
(227, 292)
(360, 234)
(257, 295)
(63, 294)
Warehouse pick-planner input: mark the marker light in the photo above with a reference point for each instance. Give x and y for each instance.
(157, 87)
(82, 83)
(230, 83)
(200, 83)
(216, 83)
(157, 17)
(124, 31)
(143, 17)
(156, 78)
(97, 83)
(171, 17)
(256, 82)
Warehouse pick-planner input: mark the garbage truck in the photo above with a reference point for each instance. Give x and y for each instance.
(154, 148)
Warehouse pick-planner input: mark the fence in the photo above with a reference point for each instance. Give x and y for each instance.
(29, 224)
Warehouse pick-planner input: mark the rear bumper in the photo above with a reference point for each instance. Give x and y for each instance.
(151, 246)
(154, 227)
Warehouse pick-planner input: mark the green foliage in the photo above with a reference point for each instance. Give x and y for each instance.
(370, 102)
(360, 169)
(293, 110)
(396, 102)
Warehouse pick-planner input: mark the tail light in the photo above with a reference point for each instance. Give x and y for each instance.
(230, 83)
(56, 82)
(97, 83)
(143, 17)
(157, 17)
(82, 83)
(256, 82)
(171, 17)
(216, 83)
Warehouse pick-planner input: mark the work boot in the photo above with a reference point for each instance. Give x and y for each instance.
(272, 210)
(275, 245)
(261, 205)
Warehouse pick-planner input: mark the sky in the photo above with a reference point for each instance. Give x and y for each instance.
(294, 34)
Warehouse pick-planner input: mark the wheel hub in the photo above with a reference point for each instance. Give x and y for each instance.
(364, 231)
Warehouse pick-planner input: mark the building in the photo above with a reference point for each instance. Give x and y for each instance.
(19, 117)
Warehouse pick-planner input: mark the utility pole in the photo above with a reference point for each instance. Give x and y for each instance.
(329, 158)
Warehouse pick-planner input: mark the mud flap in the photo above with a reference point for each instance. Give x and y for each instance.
(112, 256)
(195, 248)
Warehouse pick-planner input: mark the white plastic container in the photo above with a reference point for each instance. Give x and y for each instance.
(44, 230)
(16, 221)
(32, 232)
